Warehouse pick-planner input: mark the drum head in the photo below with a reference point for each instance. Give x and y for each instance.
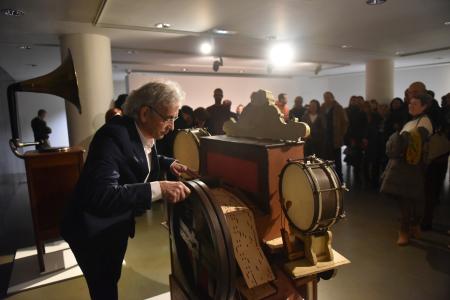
(298, 196)
(186, 149)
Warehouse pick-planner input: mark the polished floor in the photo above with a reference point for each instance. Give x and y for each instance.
(379, 268)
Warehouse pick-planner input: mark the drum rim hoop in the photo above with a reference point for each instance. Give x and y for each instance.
(314, 224)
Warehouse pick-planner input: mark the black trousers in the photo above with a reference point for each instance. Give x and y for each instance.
(338, 162)
(100, 258)
(434, 181)
(331, 153)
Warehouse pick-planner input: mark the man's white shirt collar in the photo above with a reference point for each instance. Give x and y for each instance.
(146, 142)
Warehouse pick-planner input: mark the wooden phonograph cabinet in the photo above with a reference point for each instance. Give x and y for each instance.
(51, 178)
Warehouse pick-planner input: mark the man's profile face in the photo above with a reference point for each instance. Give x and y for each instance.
(158, 121)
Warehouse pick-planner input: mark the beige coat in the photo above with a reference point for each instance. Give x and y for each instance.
(340, 123)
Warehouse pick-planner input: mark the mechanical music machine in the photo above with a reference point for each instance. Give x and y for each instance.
(51, 172)
(256, 224)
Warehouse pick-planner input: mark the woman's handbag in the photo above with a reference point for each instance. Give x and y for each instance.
(437, 145)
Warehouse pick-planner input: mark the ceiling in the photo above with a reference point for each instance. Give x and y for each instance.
(411, 32)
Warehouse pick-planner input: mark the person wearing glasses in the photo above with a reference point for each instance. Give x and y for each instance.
(120, 181)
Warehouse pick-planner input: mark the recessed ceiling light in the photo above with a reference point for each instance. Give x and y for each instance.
(346, 46)
(184, 69)
(375, 2)
(241, 71)
(447, 23)
(12, 12)
(162, 25)
(223, 31)
(24, 47)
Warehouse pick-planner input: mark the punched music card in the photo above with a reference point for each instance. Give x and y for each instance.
(253, 263)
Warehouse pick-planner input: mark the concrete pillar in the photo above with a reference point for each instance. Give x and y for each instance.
(92, 60)
(380, 80)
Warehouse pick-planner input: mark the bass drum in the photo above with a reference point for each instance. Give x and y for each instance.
(186, 148)
(311, 195)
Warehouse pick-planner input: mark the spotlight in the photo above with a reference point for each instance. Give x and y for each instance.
(206, 48)
(217, 64)
(281, 54)
(375, 2)
(162, 25)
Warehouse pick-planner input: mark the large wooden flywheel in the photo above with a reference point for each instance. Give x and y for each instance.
(203, 262)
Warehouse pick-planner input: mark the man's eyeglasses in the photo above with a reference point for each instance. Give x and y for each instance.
(164, 118)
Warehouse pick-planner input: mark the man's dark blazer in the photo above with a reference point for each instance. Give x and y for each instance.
(111, 188)
(40, 129)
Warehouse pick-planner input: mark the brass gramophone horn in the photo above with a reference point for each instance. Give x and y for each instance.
(60, 82)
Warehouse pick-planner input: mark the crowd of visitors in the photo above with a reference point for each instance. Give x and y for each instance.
(396, 148)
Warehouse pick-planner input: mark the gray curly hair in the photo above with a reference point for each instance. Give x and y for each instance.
(155, 94)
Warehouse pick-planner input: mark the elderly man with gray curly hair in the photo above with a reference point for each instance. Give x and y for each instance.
(119, 181)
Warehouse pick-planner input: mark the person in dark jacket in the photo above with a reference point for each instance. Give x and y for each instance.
(355, 137)
(120, 181)
(117, 108)
(395, 119)
(218, 114)
(336, 123)
(314, 143)
(298, 111)
(372, 149)
(437, 167)
(40, 130)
